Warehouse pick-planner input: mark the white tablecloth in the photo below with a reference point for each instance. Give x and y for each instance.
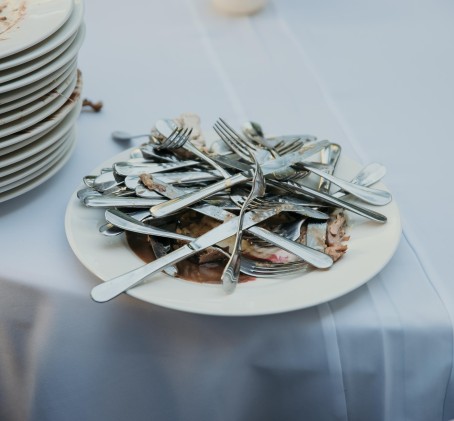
(376, 78)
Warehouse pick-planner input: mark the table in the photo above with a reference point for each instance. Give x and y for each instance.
(377, 78)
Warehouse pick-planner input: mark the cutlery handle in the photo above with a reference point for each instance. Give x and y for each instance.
(329, 156)
(314, 257)
(126, 169)
(128, 223)
(116, 286)
(367, 194)
(191, 148)
(120, 202)
(174, 205)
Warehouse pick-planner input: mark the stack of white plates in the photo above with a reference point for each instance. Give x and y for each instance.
(40, 90)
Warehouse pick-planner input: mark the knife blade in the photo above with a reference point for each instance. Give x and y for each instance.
(271, 167)
(315, 258)
(116, 286)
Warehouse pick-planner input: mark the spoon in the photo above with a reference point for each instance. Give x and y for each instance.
(110, 230)
(121, 136)
(105, 182)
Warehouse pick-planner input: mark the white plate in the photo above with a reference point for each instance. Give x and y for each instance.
(41, 176)
(28, 22)
(30, 159)
(40, 114)
(39, 94)
(54, 65)
(33, 65)
(49, 44)
(41, 103)
(36, 88)
(36, 144)
(370, 248)
(33, 168)
(34, 132)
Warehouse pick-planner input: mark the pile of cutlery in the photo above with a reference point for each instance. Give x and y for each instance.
(159, 182)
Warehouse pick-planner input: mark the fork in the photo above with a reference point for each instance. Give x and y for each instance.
(293, 187)
(243, 147)
(179, 138)
(232, 269)
(271, 269)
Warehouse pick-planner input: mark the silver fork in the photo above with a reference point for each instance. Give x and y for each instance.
(175, 141)
(253, 132)
(238, 144)
(271, 269)
(232, 269)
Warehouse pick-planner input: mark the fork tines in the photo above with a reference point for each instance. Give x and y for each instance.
(286, 147)
(176, 139)
(232, 139)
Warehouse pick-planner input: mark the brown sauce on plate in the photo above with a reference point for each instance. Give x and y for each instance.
(188, 270)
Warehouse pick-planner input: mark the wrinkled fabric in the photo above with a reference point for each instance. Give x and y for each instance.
(375, 78)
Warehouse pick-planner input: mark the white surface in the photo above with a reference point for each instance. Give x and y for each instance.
(65, 32)
(376, 77)
(29, 21)
(370, 248)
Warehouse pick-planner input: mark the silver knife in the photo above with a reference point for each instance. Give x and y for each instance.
(315, 258)
(116, 286)
(268, 168)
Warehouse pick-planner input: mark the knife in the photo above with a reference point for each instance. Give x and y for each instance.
(114, 287)
(270, 167)
(315, 258)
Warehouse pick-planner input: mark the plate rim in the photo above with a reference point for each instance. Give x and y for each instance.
(30, 89)
(9, 75)
(42, 177)
(41, 102)
(55, 19)
(65, 32)
(51, 121)
(63, 59)
(39, 93)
